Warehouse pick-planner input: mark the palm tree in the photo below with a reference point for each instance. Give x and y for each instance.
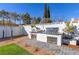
(19, 19)
(13, 17)
(69, 28)
(9, 16)
(3, 14)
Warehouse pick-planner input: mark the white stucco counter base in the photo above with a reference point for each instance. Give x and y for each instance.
(43, 38)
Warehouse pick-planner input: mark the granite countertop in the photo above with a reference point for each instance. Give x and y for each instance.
(47, 33)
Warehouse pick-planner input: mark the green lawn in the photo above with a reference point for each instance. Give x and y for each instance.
(13, 49)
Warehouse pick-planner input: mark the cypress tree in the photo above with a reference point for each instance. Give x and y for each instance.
(45, 11)
(48, 12)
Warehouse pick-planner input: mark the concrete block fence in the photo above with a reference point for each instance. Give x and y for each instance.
(17, 31)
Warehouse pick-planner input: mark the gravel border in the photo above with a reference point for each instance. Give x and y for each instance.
(59, 50)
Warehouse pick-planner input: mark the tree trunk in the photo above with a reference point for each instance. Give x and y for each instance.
(11, 29)
(11, 34)
(3, 34)
(3, 28)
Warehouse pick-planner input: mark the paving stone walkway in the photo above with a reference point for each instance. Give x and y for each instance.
(10, 41)
(58, 50)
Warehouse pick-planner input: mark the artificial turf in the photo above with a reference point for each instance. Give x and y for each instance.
(13, 49)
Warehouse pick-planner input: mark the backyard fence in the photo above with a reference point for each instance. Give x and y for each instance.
(6, 31)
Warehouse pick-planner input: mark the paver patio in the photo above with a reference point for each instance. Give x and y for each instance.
(58, 50)
(21, 41)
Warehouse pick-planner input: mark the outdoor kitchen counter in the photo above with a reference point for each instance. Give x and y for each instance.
(43, 37)
(45, 33)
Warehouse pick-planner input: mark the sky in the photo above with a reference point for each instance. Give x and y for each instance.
(66, 11)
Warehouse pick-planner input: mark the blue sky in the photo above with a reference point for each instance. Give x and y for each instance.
(62, 10)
